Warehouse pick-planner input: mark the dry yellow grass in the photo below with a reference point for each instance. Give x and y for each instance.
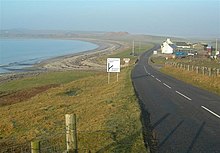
(211, 84)
(98, 105)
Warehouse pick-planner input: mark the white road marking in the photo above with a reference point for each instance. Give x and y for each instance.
(152, 76)
(145, 70)
(183, 95)
(158, 79)
(213, 113)
(167, 85)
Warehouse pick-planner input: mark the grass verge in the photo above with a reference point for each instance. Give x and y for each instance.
(211, 84)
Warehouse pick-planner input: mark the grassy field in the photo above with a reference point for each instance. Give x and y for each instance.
(201, 62)
(108, 115)
(44, 79)
(206, 62)
(127, 54)
(211, 84)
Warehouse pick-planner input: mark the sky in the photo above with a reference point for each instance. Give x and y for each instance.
(186, 18)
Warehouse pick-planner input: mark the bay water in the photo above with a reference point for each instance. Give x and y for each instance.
(16, 54)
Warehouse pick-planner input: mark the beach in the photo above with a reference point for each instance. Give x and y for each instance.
(87, 60)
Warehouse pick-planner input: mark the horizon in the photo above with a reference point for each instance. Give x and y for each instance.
(135, 17)
(46, 31)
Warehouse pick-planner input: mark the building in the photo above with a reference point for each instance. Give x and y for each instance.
(199, 46)
(168, 47)
(183, 45)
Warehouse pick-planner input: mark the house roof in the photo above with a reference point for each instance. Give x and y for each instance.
(181, 44)
(173, 46)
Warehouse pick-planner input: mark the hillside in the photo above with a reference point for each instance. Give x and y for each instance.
(107, 114)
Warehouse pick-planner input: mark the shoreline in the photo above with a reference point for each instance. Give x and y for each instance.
(30, 63)
(85, 60)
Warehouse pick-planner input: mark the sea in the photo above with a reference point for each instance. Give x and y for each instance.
(18, 54)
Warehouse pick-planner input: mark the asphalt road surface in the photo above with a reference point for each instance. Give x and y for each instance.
(186, 119)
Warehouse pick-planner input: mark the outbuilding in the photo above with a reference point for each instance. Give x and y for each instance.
(182, 45)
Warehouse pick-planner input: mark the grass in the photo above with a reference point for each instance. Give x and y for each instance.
(201, 62)
(99, 107)
(127, 53)
(44, 79)
(211, 84)
(108, 115)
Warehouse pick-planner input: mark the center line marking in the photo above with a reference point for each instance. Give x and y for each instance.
(183, 95)
(167, 85)
(213, 113)
(158, 79)
(145, 69)
(152, 76)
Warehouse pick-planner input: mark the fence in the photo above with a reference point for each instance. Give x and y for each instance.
(54, 144)
(66, 142)
(88, 142)
(197, 69)
(21, 148)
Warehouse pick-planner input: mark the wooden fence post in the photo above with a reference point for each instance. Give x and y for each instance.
(188, 67)
(203, 70)
(35, 146)
(71, 133)
(197, 69)
(210, 71)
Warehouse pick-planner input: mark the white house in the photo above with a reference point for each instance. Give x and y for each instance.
(168, 47)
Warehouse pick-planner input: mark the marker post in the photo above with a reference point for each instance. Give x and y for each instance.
(108, 77)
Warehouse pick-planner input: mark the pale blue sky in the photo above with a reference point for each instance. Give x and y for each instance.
(193, 18)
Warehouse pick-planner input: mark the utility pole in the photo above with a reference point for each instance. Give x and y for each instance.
(139, 46)
(216, 47)
(133, 48)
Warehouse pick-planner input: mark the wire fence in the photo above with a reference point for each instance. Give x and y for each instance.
(70, 139)
(89, 141)
(21, 148)
(197, 69)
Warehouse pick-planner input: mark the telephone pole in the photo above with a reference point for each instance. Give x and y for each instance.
(133, 48)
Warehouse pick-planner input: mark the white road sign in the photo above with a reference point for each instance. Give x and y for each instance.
(113, 64)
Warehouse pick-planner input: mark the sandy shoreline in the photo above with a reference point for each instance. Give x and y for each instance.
(86, 60)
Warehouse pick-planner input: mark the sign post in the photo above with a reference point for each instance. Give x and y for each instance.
(113, 66)
(108, 77)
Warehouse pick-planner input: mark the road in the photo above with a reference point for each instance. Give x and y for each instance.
(186, 119)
